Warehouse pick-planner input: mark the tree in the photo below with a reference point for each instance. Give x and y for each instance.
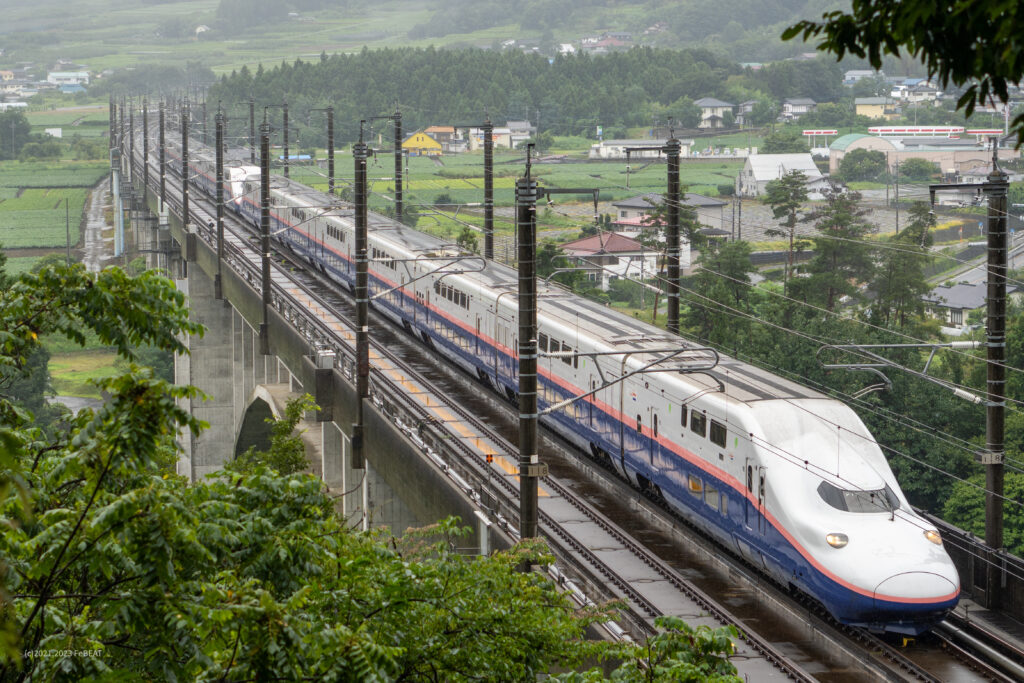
(247, 575)
(900, 281)
(862, 164)
(917, 169)
(764, 112)
(945, 39)
(467, 239)
(678, 652)
(842, 259)
(287, 453)
(965, 507)
(719, 289)
(785, 141)
(14, 133)
(786, 195)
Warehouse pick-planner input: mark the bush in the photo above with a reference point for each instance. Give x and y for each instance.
(726, 189)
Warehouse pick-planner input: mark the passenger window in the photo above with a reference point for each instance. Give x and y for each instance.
(698, 423)
(542, 343)
(694, 485)
(711, 496)
(750, 478)
(639, 425)
(725, 505)
(655, 426)
(717, 434)
(567, 349)
(682, 417)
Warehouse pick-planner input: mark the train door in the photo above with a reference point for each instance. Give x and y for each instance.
(750, 508)
(652, 441)
(762, 519)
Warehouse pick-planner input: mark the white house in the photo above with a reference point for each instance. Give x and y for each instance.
(68, 77)
(712, 112)
(760, 169)
(795, 107)
(616, 149)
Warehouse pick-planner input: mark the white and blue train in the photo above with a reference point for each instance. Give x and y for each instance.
(788, 477)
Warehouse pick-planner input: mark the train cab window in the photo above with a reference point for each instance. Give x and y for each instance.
(695, 485)
(878, 500)
(717, 434)
(542, 343)
(698, 423)
(682, 417)
(639, 425)
(711, 496)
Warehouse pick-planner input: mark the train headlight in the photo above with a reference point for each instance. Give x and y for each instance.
(837, 540)
(933, 536)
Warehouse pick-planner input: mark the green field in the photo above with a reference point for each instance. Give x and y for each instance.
(32, 201)
(20, 264)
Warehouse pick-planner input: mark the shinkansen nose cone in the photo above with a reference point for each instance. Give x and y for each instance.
(918, 587)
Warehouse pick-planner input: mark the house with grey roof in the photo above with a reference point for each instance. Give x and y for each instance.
(795, 107)
(630, 214)
(953, 303)
(712, 112)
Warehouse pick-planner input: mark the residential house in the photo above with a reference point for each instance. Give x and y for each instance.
(795, 107)
(923, 92)
(501, 137)
(743, 111)
(630, 214)
(712, 112)
(68, 78)
(421, 144)
(6, 75)
(952, 304)
(442, 134)
(854, 75)
(616, 149)
(520, 131)
(877, 107)
(760, 169)
(607, 256)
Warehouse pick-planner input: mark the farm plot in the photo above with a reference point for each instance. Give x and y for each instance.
(47, 174)
(36, 218)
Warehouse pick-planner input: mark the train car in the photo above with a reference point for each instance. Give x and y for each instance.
(785, 476)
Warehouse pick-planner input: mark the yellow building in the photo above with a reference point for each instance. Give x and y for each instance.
(421, 144)
(877, 108)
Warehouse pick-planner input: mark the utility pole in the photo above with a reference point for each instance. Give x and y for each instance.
(330, 150)
(252, 131)
(672, 201)
(265, 232)
(163, 160)
(131, 140)
(488, 189)
(529, 461)
(359, 154)
(399, 200)
(997, 189)
(205, 141)
(898, 192)
(286, 159)
(218, 279)
(184, 166)
(67, 229)
(145, 145)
